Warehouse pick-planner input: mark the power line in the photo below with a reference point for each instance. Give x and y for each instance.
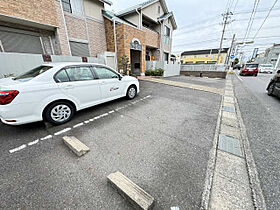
(251, 19)
(265, 18)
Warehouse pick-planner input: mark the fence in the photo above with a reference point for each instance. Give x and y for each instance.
(203, 67)
(17, 63)
(170, 69)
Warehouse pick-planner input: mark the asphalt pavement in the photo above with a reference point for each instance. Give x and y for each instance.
(260, 114)
(161, 143)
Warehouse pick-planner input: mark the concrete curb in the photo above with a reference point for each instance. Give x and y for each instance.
(211, 163)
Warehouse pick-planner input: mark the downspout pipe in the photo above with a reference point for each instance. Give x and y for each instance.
(116, 47)
(140, 24)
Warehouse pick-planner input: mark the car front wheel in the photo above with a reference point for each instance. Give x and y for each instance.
(59, 113)
(270, 90)
(131, 92)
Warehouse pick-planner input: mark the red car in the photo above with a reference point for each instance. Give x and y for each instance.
(250, 69)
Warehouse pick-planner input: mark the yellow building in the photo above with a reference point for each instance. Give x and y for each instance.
(209, 56)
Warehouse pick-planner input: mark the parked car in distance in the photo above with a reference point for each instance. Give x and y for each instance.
(273, 88)
(266, 68)
(54, 92)
(250, 69)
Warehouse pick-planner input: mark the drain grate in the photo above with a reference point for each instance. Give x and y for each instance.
(229, 109)
(230, 145)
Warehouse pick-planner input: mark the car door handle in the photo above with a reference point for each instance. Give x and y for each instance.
(103, 82)
(69, 87)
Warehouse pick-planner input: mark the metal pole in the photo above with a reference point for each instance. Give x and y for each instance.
(230, 51)
(116, 47)
(222, 38)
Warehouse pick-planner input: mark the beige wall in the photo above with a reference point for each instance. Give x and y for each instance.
(93, 8)
(133, 18)
(152, 11)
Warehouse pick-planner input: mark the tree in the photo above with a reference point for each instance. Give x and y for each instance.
(124, 61)
(236, 61)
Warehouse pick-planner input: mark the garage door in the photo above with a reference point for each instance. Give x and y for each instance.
(14, 40)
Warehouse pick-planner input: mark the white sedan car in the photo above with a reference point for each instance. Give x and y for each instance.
(54, 92)
(266, 68)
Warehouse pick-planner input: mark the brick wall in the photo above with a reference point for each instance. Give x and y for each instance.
(42, 11)
(76, 27)
(125, 34)
(151, 38)
(97, 39)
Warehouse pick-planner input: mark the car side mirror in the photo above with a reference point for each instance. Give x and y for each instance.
(120, 77)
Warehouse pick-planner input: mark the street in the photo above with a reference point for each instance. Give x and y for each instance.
(260, 113)
(161, 142)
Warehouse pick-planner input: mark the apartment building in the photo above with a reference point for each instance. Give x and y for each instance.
(53, 27)
(142, 33)
(208, 56)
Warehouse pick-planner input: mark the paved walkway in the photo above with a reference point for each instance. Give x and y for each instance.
(185, 85)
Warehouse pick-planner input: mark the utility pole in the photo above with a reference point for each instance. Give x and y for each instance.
(225, 18)
(230, 51)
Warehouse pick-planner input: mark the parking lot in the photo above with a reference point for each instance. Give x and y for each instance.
(160, 140)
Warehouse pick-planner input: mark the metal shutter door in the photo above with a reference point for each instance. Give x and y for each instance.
(21, 43)
(79, 49)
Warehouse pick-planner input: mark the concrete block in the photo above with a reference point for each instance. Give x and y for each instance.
(229, 115)
(228, 104)
(230, 122)
(75, 145)
(230, 131)
(135, 195)
(228, 99)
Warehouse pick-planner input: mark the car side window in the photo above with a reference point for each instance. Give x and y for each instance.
(79, 73)
(61, 76)
(104, 73)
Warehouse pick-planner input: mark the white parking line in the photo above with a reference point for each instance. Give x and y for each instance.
(46, 137)
(75, 126)
(62, 131)
(33, 142)
(78, 125)
(17, 149)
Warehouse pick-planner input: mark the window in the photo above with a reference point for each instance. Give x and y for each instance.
(158, 9)
(166, 35)
(32, 73)
(166, 55)
(104, 73)
(79, 73)
(66, 5)
(79, 49)
(62, 76)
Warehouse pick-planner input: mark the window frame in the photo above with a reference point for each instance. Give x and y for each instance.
(67, 2)
(64, 68)
(97, 77)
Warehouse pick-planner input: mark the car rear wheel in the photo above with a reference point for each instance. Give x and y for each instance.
(270, 90)
(131, 92)
(256, 75)
(59, 113)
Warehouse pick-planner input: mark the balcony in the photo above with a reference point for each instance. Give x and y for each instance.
(151, 37)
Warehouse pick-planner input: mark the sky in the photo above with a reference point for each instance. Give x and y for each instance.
(200, 23)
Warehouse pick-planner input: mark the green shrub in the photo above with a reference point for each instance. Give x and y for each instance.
(157, 72)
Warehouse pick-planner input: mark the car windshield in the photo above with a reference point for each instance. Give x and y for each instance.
(252, 65)
(32, 73)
